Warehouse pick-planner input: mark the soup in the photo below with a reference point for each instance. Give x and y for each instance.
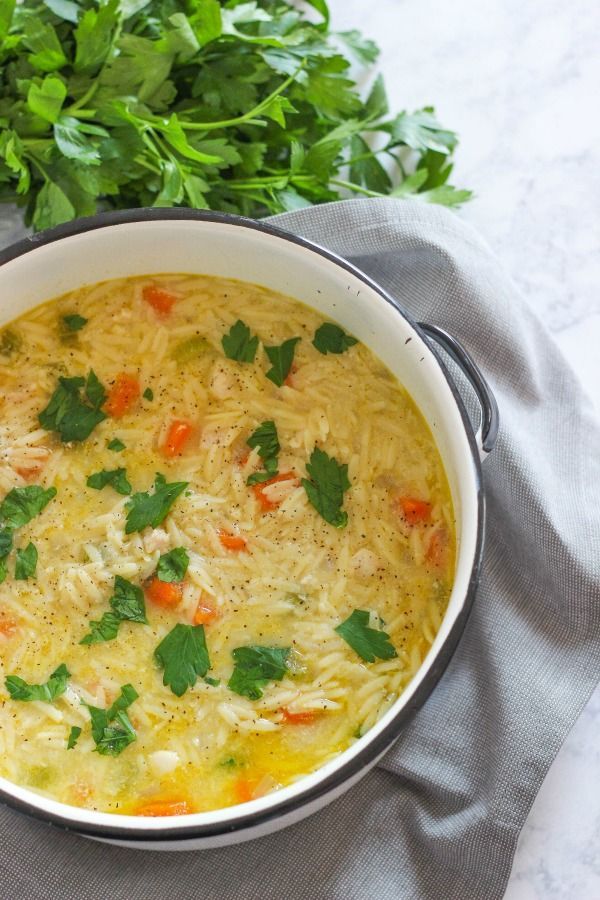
(226, 544)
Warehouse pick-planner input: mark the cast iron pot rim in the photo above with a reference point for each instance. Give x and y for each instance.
(242, 823)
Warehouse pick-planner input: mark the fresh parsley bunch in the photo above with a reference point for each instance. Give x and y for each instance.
(247, 107)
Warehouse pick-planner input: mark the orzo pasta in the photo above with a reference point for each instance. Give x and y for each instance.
(226, 544)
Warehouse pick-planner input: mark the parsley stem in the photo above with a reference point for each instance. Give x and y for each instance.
(356, 188)
(83, 99)
(38, 166)
(226, 123)
(147, 165)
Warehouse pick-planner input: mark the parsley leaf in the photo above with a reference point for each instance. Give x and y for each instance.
(127, 605)
(3, 570)
(21, 505)
(329, 481)
(249, 107)
(183, 656)
(238, 344)
(26, 562)
(281, 358)
(127, 601)
(105, 629)
(111, 739)
(116, 445)
(74, 322)
(369, 643)
(173, 565)
(47, 692)
(94, 391)
(124, 700)
(73, 736)
(74, 417)
(255, 667)
(266, 441)
(6, 542)
(152, 509)
(117, 478)
(330, 338)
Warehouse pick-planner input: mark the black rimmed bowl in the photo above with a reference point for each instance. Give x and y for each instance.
(153, 241)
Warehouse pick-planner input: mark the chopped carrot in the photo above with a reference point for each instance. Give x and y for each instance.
(206, 611)
(164, 593)
(306, 717)
(8, 625)
(437, 553)
(232, 541)
(31, 473)
(289, 379)
(414, 511)
(164, 808)
(123, 395)
(160, 300)
(244, 788)
(177, 437)
(265, 502)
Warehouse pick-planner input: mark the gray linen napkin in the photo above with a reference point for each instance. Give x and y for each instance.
(440, 817)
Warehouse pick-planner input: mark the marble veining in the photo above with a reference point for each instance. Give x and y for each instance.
(519, 81)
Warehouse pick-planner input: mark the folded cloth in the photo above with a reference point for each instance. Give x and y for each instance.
(440, 817)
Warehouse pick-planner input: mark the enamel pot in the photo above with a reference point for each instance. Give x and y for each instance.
(151, 241)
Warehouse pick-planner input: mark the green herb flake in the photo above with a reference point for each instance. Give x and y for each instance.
(183, 656)
(173, 565)
(266, 440)
(116, 445)
(281, 358)
(74, 408)
(146, 508)
(330, 338)
(47, 692)
(74, 734)
(213, 682)
(369, 643)
(116, 478)
(148, 394)
(238, 343)
(26, 563)
(328, 483)
(10, 341)
(112, 730)
(23, 504)
(74, 322)
(255, 667)
(190, 349)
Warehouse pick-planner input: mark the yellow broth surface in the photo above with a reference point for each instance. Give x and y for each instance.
(265, 568)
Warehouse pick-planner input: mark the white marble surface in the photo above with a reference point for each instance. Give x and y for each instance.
(519, 80)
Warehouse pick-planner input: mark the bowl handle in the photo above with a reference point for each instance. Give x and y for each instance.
(487, 432)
